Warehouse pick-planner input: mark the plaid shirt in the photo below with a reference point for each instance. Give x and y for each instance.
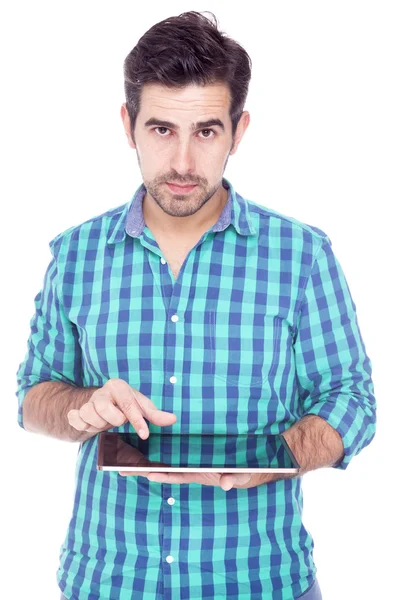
(258, 330)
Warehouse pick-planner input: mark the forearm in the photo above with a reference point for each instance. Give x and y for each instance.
(45, 408)
(314, 443)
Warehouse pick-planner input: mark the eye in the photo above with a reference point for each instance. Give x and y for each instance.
(166, 129)
(209, 131)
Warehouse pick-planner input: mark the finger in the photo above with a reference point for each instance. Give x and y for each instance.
(117, 403)
(160, 477)
(229, 480)
(151, 412)
(107, 409)
(136, 406)
(142, 473)
(226, 482)
(88, 413)
(242, 478)
(76, 421)
(169, 478)
(202, 478)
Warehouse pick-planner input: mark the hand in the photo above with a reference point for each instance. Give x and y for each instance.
(113, 405)
(226, 481)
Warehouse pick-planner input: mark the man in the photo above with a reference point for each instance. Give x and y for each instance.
(193, 309)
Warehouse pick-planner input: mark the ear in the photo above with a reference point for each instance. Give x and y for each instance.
(243, 124)
(126, 121)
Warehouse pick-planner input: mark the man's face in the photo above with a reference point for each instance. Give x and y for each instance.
(183, 136)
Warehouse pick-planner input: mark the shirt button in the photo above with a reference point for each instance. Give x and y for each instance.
(163, 261)
(173, 379)
(174, 318)
(171, 500)
(169, 559)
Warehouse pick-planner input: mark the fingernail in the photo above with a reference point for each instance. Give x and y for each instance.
(142, 433)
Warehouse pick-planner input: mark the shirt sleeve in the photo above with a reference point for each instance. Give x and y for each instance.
(54, 353)
(332, 368)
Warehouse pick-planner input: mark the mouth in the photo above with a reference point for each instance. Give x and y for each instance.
(180, 189)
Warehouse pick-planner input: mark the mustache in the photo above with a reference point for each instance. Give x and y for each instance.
(181, 182)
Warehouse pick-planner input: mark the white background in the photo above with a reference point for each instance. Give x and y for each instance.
(322, 147)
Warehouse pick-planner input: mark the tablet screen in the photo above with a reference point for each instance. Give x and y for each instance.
(162, 452)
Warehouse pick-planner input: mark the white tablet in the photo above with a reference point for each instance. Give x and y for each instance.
(175, 453)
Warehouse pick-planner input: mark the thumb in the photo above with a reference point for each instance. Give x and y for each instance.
(229, 480)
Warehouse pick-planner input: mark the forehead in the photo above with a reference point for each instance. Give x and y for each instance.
(191, 101)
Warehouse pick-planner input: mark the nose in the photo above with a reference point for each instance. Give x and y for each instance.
(182, 160)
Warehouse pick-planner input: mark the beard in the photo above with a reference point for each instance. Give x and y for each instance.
(180, 205)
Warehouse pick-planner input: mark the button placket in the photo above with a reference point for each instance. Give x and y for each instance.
(174, 319)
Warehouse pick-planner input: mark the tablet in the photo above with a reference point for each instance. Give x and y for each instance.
(185, 453)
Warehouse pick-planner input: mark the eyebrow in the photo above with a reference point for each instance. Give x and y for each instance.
(193, 127)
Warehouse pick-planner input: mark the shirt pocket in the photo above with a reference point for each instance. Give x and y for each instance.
(244, 348)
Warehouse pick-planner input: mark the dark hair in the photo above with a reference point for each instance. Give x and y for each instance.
(187, 49)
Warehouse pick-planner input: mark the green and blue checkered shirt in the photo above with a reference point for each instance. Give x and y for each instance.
(258, 330)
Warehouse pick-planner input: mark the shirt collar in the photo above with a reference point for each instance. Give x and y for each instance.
(131, 221)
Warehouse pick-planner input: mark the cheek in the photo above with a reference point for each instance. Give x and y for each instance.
(213, 156)
(153, 161)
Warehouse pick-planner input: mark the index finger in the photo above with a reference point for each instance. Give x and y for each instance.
(135, 406)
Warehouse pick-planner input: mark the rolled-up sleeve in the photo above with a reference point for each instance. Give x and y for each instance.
(333, 370)
(53, 353)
